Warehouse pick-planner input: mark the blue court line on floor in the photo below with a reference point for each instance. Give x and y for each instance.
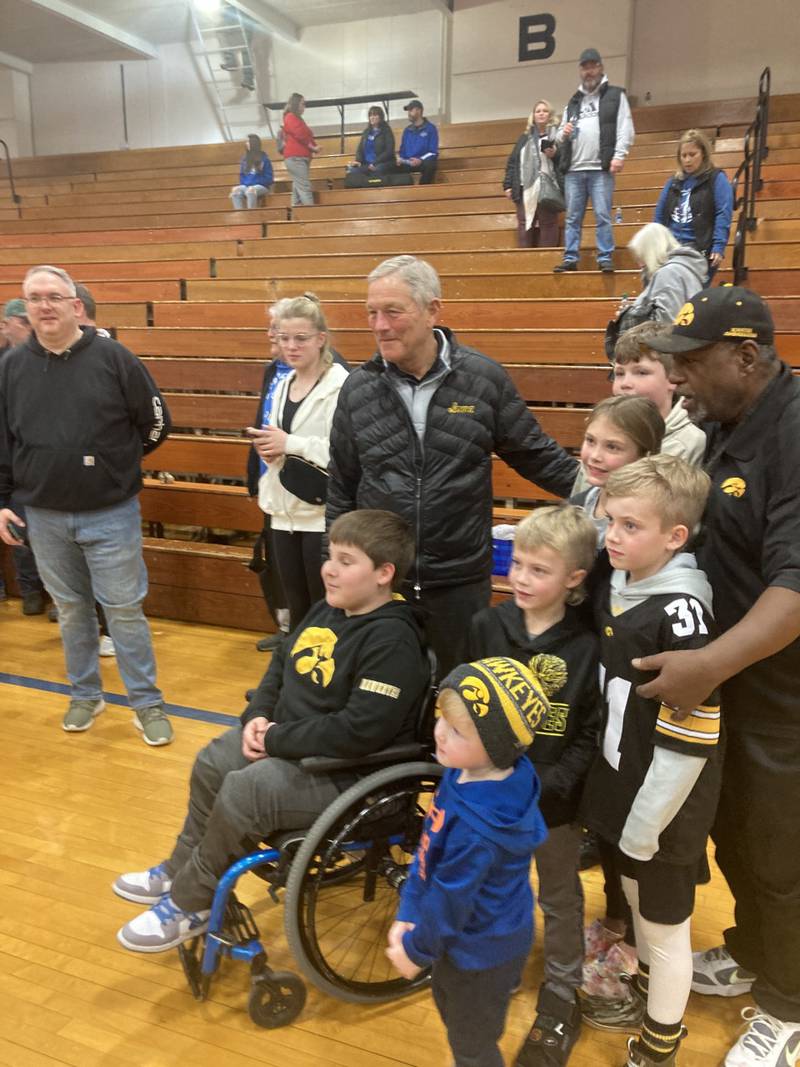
(179, 710)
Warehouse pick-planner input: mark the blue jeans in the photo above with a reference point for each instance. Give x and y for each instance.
(85, 556)
(579, 186)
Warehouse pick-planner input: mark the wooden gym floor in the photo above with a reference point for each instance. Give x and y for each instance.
(77, 809)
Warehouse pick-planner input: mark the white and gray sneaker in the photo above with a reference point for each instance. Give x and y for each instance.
(144, 887)
(162, 927)
(767, 1042)
(716, 973)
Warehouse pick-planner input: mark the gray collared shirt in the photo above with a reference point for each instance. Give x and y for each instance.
(416, 393)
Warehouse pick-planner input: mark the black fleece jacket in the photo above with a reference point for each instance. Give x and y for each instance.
(442, 487)
(565, 744)
(343, 685)
(74, 426)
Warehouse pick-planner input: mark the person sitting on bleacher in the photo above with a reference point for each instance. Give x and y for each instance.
(255, 176)
(419, 147)
(375, 152)
(346, 683)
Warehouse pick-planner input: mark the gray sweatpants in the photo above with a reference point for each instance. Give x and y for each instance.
(561, 901)
(299, 168)
(233, 805)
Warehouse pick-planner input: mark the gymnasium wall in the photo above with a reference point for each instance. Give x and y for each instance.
(491, 60)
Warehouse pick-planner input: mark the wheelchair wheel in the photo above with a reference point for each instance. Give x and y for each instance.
(343, 887)
(276, 999)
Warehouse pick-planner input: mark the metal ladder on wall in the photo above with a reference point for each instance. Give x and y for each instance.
(223, 46)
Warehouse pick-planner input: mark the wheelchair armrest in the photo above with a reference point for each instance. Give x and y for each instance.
(394, 754)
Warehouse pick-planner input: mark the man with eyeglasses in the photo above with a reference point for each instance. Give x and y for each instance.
(77, 412)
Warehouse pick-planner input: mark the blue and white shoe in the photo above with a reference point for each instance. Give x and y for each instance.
(144, 887)
(767, 1042)
(162, 927)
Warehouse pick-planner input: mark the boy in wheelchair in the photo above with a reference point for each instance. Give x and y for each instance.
(467, 906)
(346, 683)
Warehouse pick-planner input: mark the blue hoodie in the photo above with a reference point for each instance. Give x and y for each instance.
(469, 890)
(261, 175)
(419, 142)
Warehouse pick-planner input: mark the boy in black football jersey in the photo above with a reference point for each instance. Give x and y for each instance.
(554, 548)
(653, 788)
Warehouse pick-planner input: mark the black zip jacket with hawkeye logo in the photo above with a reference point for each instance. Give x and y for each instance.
(74, 426)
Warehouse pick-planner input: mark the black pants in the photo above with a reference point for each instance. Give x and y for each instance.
(617, 907)
(757, 837)
(426, 169)
(299, 558)
(473, 1006)
(263, 563)
(448, 613)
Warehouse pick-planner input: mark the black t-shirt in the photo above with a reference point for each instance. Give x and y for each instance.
(752, 542)
(633, 726)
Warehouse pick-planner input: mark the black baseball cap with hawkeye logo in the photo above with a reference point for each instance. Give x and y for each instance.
(724, 313)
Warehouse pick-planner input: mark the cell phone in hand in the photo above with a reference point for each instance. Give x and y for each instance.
(19, 532)
(545, 143)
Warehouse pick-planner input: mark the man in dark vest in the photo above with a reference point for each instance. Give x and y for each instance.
(595, 134)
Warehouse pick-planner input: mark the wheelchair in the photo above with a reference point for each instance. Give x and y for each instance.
(342, 878)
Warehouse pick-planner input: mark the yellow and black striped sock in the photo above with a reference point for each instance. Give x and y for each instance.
(641, 981)
(659, 1040)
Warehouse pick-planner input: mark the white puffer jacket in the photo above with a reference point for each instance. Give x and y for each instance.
(309, 439)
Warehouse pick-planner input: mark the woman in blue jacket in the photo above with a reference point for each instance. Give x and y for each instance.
(697, 203)
(255, 175)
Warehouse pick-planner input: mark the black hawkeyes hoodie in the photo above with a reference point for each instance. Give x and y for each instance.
(342, 685)
(566, 742)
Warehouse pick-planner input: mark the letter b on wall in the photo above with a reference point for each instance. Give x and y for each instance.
(536, 37)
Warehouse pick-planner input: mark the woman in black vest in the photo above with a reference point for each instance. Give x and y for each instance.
(375, 152)
(697, 203)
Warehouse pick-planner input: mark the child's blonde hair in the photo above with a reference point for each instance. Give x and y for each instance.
(677, 489)
(568, 531)
(637, 417)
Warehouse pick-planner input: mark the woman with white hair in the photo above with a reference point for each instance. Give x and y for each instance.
(671, 274)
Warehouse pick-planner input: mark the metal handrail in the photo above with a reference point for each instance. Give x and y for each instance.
(15, 197)
(755, 152)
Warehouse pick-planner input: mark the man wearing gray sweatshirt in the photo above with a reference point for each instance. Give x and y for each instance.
(596, 134)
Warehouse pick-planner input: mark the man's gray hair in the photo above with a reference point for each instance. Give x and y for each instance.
(419, 276)
(45, 268)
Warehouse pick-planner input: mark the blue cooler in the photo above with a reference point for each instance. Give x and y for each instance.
(502, 551)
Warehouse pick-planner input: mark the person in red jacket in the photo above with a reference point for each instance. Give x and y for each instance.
(299, 147)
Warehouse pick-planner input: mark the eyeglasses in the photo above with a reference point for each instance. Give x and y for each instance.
(298, 338)
(54, 299)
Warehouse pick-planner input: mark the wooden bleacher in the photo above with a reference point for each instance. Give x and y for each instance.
(184, 280)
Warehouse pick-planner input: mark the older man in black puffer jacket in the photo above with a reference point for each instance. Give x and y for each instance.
(414, 433)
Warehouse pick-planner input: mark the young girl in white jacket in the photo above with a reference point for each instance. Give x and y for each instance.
(299, 425)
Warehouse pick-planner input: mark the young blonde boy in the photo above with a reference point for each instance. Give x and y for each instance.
(466, 908)
(554, 548)
(653, 788)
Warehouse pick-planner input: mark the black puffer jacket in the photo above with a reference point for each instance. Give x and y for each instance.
(445, 489)
(384, 144)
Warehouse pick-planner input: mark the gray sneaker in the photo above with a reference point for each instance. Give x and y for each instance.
(144, 887)
(81, 714)
(617, 1016)
(162, 927)
(154, 724)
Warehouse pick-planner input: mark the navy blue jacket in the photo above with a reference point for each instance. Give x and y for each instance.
(469, 890)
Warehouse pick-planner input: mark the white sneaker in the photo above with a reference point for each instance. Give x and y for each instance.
(767, 1042)
(144, 887)
(716, 973)
(107, 646)
(163, 927)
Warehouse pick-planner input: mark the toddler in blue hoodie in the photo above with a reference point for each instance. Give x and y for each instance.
(467, 906)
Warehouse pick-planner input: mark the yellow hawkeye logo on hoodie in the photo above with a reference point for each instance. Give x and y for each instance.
(312, 654)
